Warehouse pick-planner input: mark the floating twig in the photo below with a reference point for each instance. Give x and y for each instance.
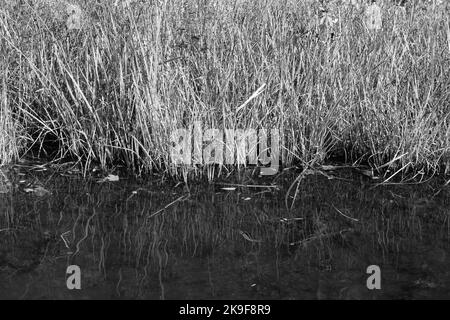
(247, 237)
(320, 236)
(344, 215)
(167, 206)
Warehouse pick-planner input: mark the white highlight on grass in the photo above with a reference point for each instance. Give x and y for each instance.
(123, 3)
(75, 16)
(327, 19)
(355, 3)
(374, 17)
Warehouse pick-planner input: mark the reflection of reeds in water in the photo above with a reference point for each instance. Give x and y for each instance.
(5, 184)
(163, 242)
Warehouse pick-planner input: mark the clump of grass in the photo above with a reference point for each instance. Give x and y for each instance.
(8, 128)
(115, 89)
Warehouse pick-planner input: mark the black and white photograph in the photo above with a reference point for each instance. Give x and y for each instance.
(230, 156)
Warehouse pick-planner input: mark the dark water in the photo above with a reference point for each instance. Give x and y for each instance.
(218, 244)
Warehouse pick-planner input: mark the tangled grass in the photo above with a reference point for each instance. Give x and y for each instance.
(114, 87)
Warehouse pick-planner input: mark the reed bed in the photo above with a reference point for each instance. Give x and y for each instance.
(108, 82)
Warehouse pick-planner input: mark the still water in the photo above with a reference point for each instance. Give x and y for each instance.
(156, 239)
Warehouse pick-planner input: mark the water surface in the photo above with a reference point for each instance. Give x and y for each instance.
(154, 239)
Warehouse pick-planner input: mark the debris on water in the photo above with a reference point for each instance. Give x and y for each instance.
(426, 284)
(268, 171)
(235, 185)
(229, 188)
(329, 167)
(109, 178)
(287, 220)
(247, 237)
(39, 191)
(64, 236)
(344, 215)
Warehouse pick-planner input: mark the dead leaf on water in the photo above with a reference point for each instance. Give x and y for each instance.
(229, 188)
(268, 171)
(109, 178)
(38, 191)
